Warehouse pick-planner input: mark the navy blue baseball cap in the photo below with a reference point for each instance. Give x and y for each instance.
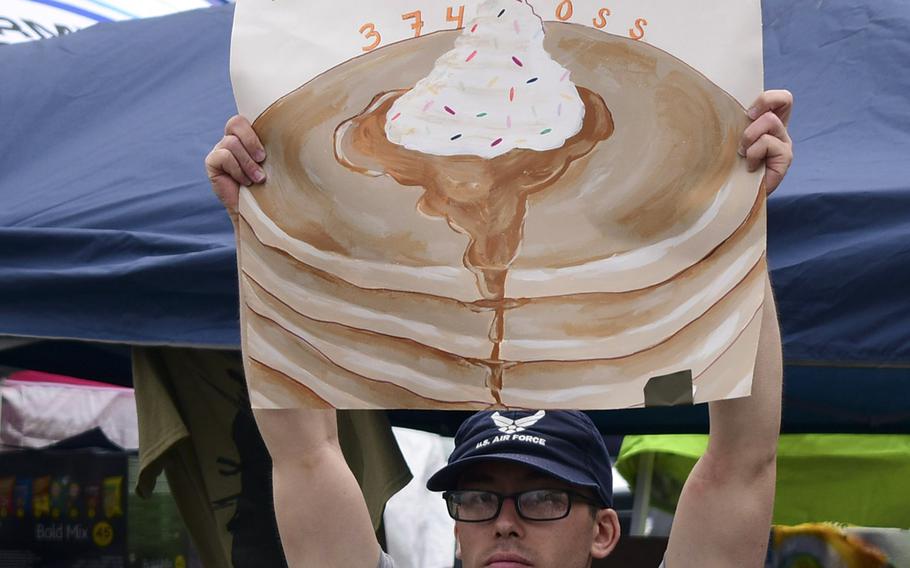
(564, 444)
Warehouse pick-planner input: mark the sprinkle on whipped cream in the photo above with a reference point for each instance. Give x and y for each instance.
(496, 90)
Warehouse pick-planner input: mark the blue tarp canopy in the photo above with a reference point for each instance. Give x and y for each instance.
(109, 232)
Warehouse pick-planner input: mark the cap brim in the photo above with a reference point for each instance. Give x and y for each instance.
(447, 477)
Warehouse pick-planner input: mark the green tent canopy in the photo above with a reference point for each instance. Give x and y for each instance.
(846, 478)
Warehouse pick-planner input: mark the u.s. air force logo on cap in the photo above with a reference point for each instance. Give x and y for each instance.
(509, 426)
(510, 430)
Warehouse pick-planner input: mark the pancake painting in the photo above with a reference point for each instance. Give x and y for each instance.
(513, 214)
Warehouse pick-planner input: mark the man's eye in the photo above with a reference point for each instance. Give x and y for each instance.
(536, 497)
(476, 498)
(545, 497)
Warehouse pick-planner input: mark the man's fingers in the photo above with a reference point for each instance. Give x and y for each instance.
(780, 102)
(221, 162)
(250, 168)
(222, 166)
(768, 123)
(766, 140)
(240, 127)
(777, 156)
(755, 154)
(234, 161)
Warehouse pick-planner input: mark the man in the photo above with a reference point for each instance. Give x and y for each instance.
(520, 503)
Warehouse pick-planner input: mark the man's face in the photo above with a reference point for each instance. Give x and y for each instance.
(508, 541)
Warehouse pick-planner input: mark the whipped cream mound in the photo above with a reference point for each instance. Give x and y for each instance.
(497, 90)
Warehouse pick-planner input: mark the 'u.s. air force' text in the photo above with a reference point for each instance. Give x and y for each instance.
(514, 438)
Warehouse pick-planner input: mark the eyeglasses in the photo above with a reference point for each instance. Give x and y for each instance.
(473, 506)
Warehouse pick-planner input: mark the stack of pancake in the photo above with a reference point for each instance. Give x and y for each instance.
(644, 259)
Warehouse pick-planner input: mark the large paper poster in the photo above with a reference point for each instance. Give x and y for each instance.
(499, 203)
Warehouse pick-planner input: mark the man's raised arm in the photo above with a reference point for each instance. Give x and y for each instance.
(321, 513)
(723, 517)
(322, 516)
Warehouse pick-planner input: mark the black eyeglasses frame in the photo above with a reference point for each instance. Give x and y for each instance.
(501, 498)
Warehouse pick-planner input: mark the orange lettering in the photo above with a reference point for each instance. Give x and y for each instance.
(459, 19)
(418, 21)
(369, 31)
(638, 31)
(564, 10)
(600, 22)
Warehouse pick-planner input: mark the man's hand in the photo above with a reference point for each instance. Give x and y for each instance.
(766, 140)
(235, 161)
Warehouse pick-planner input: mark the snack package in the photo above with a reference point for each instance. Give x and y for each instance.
(59, 489)
(22, 495)
(41, 497)
(6, 496)
(92, 494)
(72, 500)
(113, 496)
